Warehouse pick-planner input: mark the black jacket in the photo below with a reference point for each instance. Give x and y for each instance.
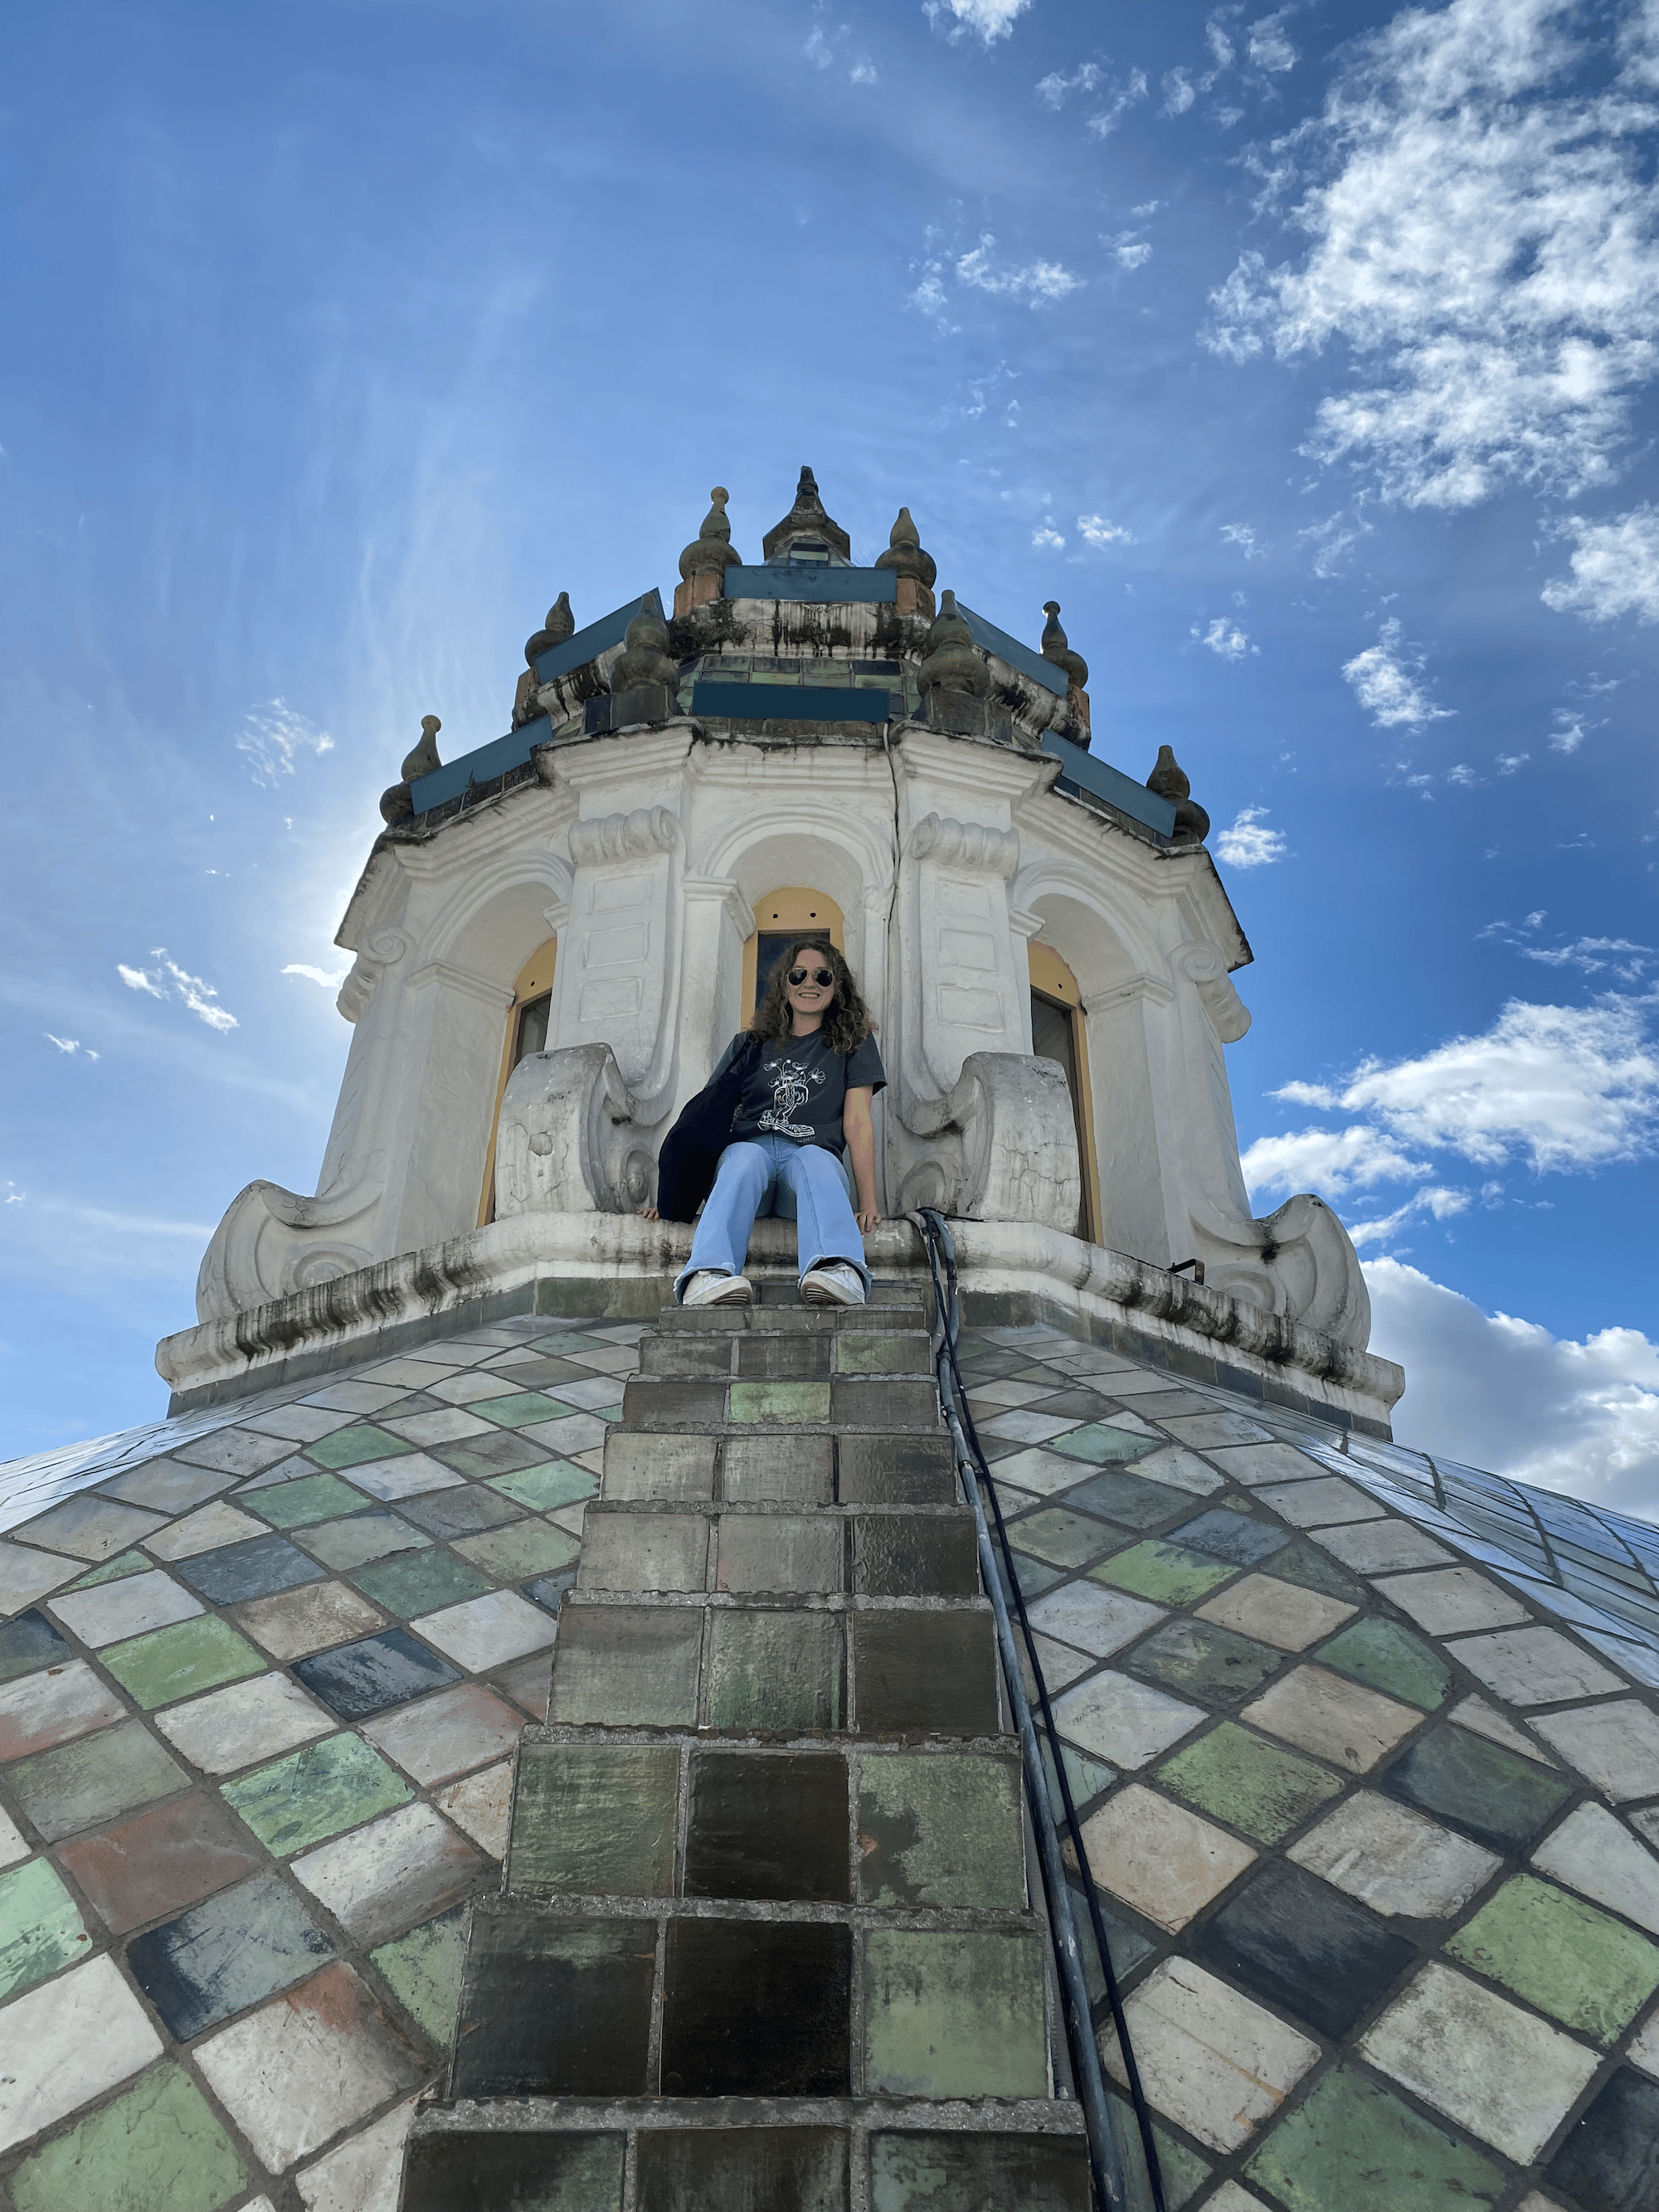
(691, 1150)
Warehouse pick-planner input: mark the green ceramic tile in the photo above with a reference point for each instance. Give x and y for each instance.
(779, 1401)
(1168, 1574)
(776, 1670)
(1313, 1570)
(862, 1352)
(938, 1830)
(1579, 1965)
(82, 1783)
(1240, 1778)
(561, 1343)
(354, 1447)
(518, 1410)
(315, 1793)
(1069, 1540)
(1085, 1776)
(1184, 2172)
(594, 1819)
(953, 2014)
(1389, 1657)
(310, 1498)
(41, 1930)
(112, 1570)
(424, 1971)
(158, 2148)
(421, 1582)
(557, 1482)
(1200, 1659)
(170, 1663)
(1355, 2145)
(519, 1550)
(362, 1538)
(1098, 1443)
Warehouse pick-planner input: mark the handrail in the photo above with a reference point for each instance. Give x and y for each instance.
(1105, 2154)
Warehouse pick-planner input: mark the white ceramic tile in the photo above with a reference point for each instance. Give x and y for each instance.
(207, 1530)
(410, 1373)
(1644, 2051)
(1123, 1721)
(362, 2174)
(1215, 1431)
(238, 1726)
(1394, 1859)
(1039, 1473)
(1334, 1718)
(1284, 1615)
(469, 1387)
(488, 1630)
(447, 1426)
(110, 1612)
(1453, 1601)
(437, 1738)
(1180, 1469)
(90, 1528)
(1319, 1505)
(53, 1706)
(402, 1868)
(1159, 1858)
(1503, 2074)
(1533, 1666)
(354, 1397)
(586, 1397)
(482, 1804)
(1477, 1717)
(234, 1451)
(12, 1845)
(1267, 1463)
(66, 2042)
(576, 1434)
(300, 1424)
(1017, 1426)
(1095, 1620)
(1210, 2059)
(1595, 1853)
(410, 1475)
(1617, 1746)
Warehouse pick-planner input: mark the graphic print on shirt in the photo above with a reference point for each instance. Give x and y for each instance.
(792, 1085)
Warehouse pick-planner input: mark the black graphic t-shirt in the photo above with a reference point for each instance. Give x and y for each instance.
(798, 1089)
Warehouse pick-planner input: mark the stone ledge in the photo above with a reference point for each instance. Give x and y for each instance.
(617, 1265)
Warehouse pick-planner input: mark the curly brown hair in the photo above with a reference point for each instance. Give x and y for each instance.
(847, 1021)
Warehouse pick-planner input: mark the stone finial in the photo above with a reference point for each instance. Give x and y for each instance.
(705, 561)
(1169, 780)
(916, 570)
(561, 623)
(644, 680)
(953, 677)
(805, 519)
(396, 802)
(1057, 648)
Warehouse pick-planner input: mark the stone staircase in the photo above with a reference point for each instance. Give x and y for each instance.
(765, 1942)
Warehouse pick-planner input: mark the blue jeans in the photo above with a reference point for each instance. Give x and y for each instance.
(825, 1227)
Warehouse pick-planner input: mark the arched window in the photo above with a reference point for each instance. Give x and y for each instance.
(526, 1032)
(1060, 1033)
(782, 918)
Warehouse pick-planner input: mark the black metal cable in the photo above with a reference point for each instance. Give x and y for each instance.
(938, 1240)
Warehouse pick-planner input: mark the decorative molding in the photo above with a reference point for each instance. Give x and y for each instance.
(721, 891)
(1133, 990)
(1204, 967)
(965, 845)
(383, 950)
(635, 836)
(481, 987)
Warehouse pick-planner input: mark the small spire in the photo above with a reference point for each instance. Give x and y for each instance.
(1170, 781)
(424, 758)
(805, 519)
(561, 623)
(951, 661)
(1056, 648)
(711, 549)
(914, 593)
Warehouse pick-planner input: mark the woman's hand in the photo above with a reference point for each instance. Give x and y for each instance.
(649, 1213)
(867, 1218)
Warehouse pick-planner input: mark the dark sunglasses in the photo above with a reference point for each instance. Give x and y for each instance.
(818, 975)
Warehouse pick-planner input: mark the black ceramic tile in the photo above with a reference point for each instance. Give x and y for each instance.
(914, 1555)
(552, 1589)
(258, 1568)
(943, 2173)
(652, 1402)
(1077, 1405)
(417, 1401)
(797, 1357)
(29, 1643)
(934, 1672)
(783, 1469)
(895, 1470)
(768, 1827)
(1303, 1948)
(526, 2169)
(356, 1679)
(497, 1452)
(1196, 1658)
(536, 1374)
(757, 2009)
(1239, 1537)
(467, 1512)
(1492, 1794)
(743, 2170)
(553, 2007)
(880, 1402)
(1313, 1570)
(1133, 1500)
(230, 1952)
(1610, 2161)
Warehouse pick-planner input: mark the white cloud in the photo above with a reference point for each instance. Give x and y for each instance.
(1615, 569)
(1591, 956)
(1480, 219)
(1248, 844)
(818, 49)
(1269, 49)
(1510, 763)
(1504, 1393)
(1225, 638)
(1332, 541)
(71, 1045)
(1042, 281)
(1385, 680)
(1328, 1161)
(1567, 733)
(272, 735)
(1105, 120)
(1097, 531)
(1047, 537)
(170, 980)
(1056, 89)
(1220, 46)
(991, 19)
(1178, 92)
(1128, 249)
(1241, 535)
(864, 71)
(1442, 1203)
(1564, 1087)
(329, 982)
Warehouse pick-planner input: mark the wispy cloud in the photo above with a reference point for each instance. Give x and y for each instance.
(72, 1045)
(329, 981)
(1124, 96)
(169, 981)
(273, 736)
(1330, 1161)
(989, 20)
(1226, 638)
(1620, 956)
(1267, 45)
(1443, 1203)
(1096, 530)
(1127, 248)
(1241, 534)
(1057, 87)
(1615, 569)
(1039, 282)
(1048, 538)
(1387, 681)
(1250, 844)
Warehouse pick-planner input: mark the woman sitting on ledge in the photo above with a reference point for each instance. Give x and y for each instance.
(803, 1075)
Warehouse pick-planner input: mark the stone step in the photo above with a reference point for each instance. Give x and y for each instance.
(914, 1667)
(748, 1467)
(748, 2154)
(857, 1820)
(679, 1998)
(905, 1553)
(887, 1309)
(864, 1401)
(786, 1356)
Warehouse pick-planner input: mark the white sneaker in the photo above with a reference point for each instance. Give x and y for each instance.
(710, 1286)
(834, 1284)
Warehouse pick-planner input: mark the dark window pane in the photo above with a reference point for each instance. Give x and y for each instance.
(1052, 1039)
(533, 1028)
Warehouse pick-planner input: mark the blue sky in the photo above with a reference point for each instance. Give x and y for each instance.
(1306, 357)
